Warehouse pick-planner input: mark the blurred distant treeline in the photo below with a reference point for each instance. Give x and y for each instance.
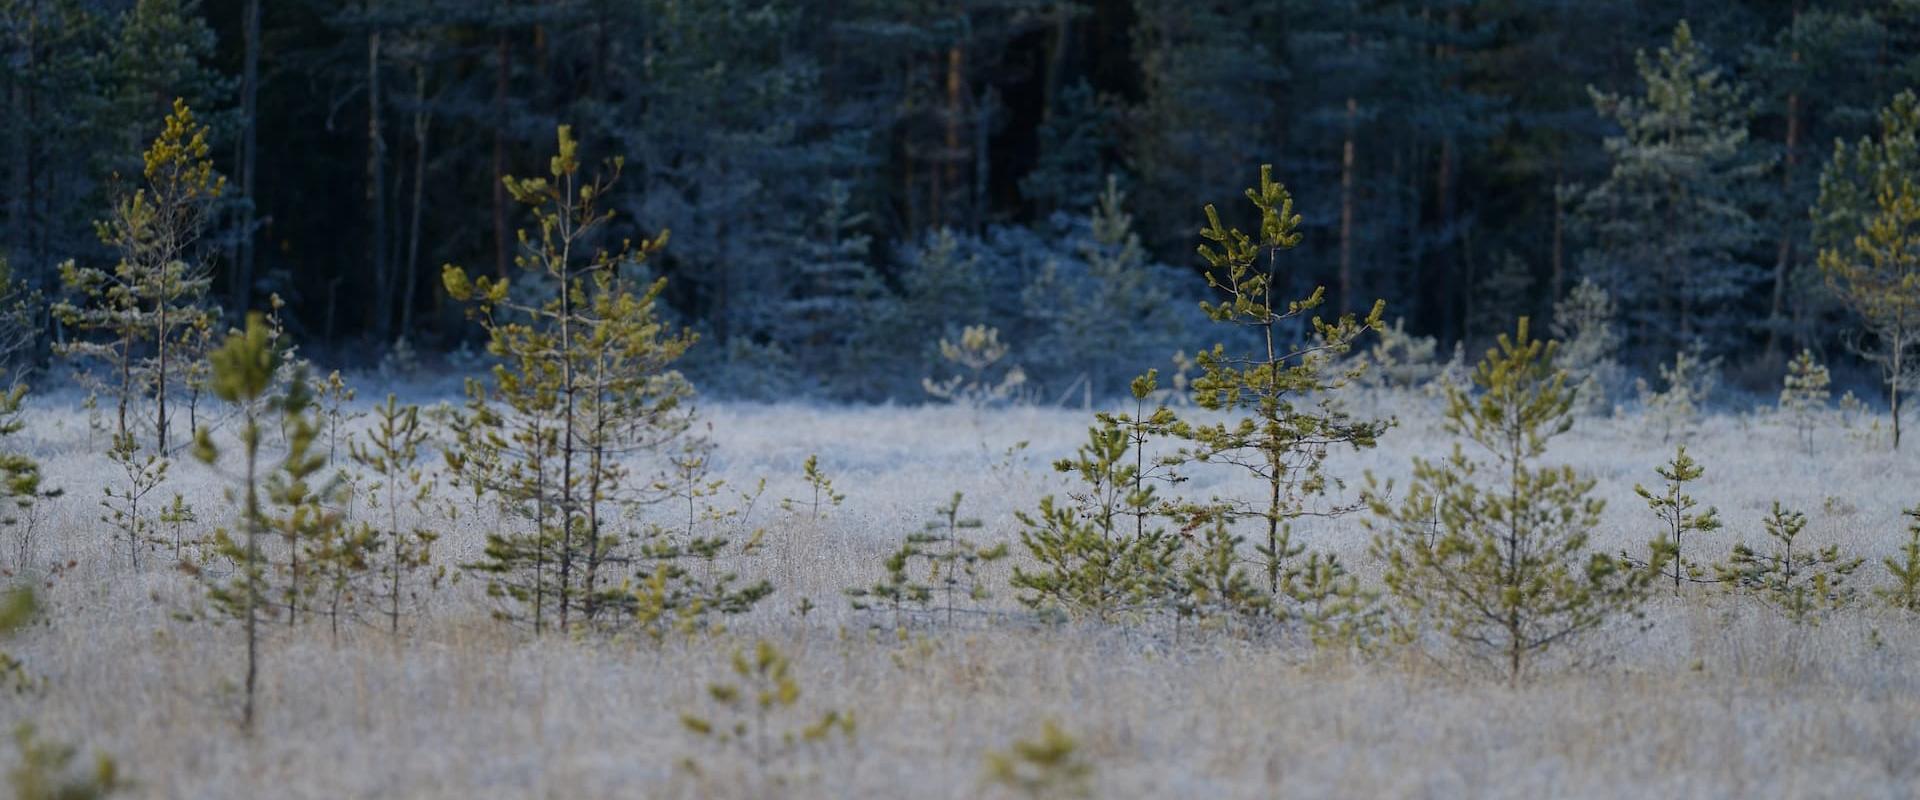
(847, 181)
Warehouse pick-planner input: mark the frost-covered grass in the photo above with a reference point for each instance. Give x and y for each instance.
(1717, 698)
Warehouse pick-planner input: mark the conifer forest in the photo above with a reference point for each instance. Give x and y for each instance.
(959, 398)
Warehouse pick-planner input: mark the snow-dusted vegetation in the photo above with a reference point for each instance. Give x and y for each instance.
(1708, 693)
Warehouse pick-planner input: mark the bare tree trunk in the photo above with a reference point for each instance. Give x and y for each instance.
(951, 157)
(1783, 258)
(1346, 208)
(502, 72)
(422, 119)
(242, 288)
(377, 192)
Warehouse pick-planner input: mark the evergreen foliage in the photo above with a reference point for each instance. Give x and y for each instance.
(1670, 221)
(1089, 560)
(1690, 382)
(150, 303)
(391, 451)
(758, 716)
(1802, 584)
(1804, 395)
(243, 371)
(1680, 516)
(1904, 594)
(1282, 418)
(822, 490)
(1869, 207)
(1049, 766)
(1589, 350)
(586, 382)
(1493, 551)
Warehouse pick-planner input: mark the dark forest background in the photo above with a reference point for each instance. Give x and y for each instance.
(848, 181)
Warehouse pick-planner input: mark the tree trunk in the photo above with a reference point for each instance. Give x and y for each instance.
(242, 289)
(502, 72)
(377, 194)
(422, 119)
(1346, 208)
(1783, 257)
(955, 150)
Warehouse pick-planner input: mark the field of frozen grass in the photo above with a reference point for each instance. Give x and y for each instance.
(1709, 696)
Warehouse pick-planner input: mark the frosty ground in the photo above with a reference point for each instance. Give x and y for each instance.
(1708, 696)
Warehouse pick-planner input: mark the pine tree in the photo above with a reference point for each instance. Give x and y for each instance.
(1804, 395)
(243, 371)
(1869, 207)
(1680, 516)
(1283, 421)
(1670, 228)
(1090, 561)
(391, 450)
(154, 297)
(822, 490)
(1802, 584)
(757, 715)
(1494, 551)
(1047, 767)
(1904, 594)
(586, 382)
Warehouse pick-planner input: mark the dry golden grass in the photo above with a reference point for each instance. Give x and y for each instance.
(1718, 698)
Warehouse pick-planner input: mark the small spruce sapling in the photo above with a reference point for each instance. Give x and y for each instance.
(1050, 766)
(1680, 516)
(1803, 584)
(1690, 382)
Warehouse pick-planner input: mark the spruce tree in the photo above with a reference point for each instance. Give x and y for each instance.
(585, 384)
(830, 285)
(1670, 226)
(1102, 311)
(1868, 215)
(1493, 551)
